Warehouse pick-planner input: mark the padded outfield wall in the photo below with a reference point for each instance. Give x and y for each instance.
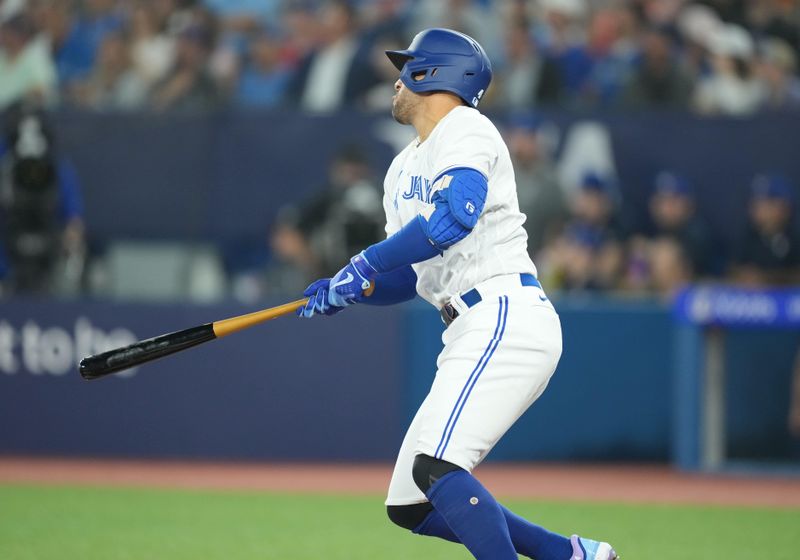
(287, 390)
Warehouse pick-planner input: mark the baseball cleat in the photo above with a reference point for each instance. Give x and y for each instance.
(586, 549)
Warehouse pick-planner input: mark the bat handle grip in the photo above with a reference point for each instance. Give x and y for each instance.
(235, 324)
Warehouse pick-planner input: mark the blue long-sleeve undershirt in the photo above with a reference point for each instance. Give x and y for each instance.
(393, 287)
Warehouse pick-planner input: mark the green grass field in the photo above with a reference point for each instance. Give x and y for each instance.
(110, 523)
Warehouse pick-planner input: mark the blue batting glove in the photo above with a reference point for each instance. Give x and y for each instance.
(348, 286)
(318, 300)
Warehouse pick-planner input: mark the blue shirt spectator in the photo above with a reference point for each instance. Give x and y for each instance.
(588, 254)
(597, 71)
(75, 55)
(264, 79)
(769, 251)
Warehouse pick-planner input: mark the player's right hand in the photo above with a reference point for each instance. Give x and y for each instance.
(319, 302)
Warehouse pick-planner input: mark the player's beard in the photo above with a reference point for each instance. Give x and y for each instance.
(404, 105)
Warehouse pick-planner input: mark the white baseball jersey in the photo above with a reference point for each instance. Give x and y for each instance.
(499, 354)
(498, 243)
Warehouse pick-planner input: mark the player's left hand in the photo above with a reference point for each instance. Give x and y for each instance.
(318, 300)
(349, 284)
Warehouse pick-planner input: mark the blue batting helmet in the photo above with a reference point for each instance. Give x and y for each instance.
(444, 60)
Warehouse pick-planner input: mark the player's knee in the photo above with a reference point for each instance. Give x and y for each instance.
(427, 470)
(409, 517)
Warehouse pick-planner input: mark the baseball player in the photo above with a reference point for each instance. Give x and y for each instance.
(455, 237)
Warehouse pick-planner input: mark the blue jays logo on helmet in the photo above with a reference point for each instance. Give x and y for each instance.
(444, 60)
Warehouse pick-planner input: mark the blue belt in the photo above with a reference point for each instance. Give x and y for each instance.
(473, 297)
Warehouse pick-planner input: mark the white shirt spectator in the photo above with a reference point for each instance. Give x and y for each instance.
(152, 57)
(10, 8)
(729, 95)
(152, 51)
(327, 77)
(732, 88)
(30, 72)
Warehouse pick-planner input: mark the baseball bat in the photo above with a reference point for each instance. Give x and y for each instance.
(151, 349)
(100, 365)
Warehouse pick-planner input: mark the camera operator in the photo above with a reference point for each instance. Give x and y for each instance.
(40, 208)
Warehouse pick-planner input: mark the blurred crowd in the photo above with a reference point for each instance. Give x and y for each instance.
(592, 251)
(714, 57)
(731, 57)
(576, 232)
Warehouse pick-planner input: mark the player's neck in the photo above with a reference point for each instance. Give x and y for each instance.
(436, 108)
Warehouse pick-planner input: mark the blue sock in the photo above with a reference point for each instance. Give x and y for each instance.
(473, 515)
(534, 541)
(529, 540)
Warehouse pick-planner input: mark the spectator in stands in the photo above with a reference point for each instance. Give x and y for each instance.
(326, 78)
(173, 15)
(526, 79)
(41, 207)
(292, 262)
(596, 73)
(339, 219)
(72, 44)
(472, 17)
(696, 25)
(382, 27)
(601, 55)
(732, 87)
(58, 22)
(677, 247)
(588, 255)
(10, 8)
(188, 86)
(657, 266)
(301, 32)
(27, 72)
(378, 97)
(152, 48)
(777, 67)
(659, 13)
(659, 80)
(539, 190)
(560, 29)
(113, 83)
(769, 251)
(384, 18)
(87, 31)
(779, 20)
(674, 215)
(264, 77)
